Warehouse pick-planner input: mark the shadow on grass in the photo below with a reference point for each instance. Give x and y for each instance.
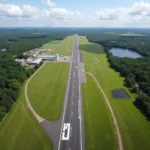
(92, 48)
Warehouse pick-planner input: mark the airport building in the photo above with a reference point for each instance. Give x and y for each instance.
(35, 61)
(49, 57)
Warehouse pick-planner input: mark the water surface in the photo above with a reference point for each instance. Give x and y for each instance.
(120, 52)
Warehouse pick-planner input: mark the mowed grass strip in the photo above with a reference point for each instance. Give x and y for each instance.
(99, 128)
(65, 47)
(52, 44)
(46, 90)
(88, 60)
(21, 131)
(134, 127)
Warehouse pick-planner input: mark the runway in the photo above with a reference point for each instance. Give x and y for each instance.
(72, 127)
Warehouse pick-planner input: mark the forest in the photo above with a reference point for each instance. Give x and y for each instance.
(12, 76)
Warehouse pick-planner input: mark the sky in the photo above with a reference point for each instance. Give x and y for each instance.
(75, 13)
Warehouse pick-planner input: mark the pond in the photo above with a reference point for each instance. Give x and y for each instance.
(120, 94)
(120, 52)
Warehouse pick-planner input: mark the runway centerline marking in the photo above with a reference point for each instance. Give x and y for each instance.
(66, 131)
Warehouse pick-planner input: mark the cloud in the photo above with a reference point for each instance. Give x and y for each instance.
(137, 13)
(10, 10)
(142, 8)
(34, 12)
(108, 14)
(29, 15)
(49, 3)
(62, 13)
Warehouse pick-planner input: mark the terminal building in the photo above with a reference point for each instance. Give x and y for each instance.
(33, 61)
(49, 57)
(36, 61)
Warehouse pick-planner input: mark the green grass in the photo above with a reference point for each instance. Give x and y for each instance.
(135, 129)
(88, 59)
(52, 44)
(20, 130)
(65, 47)
(131, 34)
(99, 129)
(46, 90)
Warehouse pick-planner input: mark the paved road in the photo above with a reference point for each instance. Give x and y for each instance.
(72, 131)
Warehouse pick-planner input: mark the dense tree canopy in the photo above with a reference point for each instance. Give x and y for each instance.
(12, 76)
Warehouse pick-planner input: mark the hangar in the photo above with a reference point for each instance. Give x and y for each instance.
(49, 57)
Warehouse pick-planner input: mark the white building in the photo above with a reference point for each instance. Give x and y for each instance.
(35, 61)
(29, 60)
(50, 57)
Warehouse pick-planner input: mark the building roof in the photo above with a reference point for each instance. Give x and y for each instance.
(36, 61)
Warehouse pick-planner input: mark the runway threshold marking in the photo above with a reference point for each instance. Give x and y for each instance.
(66, 131)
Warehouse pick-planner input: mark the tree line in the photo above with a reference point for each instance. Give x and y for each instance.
(12, 76)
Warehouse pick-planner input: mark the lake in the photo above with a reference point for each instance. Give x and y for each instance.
(124, 53)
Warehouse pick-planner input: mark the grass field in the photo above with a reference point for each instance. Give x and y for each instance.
(135, 129)
(99, 129)
(20, 130)
(46, 90)
(65, 47)
(131, 34)
(52, 44)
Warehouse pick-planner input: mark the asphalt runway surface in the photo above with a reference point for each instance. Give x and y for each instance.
(72, 128)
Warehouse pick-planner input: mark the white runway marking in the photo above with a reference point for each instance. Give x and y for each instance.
(66, 129)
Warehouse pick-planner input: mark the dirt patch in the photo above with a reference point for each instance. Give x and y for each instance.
(120, 94)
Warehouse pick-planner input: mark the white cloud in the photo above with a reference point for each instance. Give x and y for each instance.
(10, 10)
(62, 13)
(34, 12)
(137, 13)
(142, 8)
(28, 15)
(49, 3)
(109, 14)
